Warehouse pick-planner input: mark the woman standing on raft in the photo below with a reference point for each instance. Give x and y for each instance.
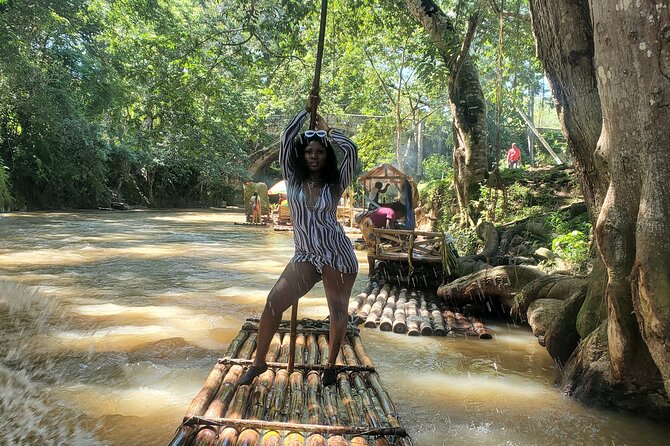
(322, 250)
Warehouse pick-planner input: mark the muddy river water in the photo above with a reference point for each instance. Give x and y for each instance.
(111, 321)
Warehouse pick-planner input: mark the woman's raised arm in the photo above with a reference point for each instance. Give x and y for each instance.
(287, 150)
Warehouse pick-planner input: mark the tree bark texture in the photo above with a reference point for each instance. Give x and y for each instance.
(466, 101)
(609, 67)
(632, 59)
(564, 42)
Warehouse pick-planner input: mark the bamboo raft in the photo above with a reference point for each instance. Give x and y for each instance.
(412, 312)
(248, 223)
(282, 228)
(293, 409)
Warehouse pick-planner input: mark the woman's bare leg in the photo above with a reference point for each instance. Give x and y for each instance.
(296, 280)
(338, 287)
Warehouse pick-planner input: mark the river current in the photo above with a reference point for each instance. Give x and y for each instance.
(111, 321)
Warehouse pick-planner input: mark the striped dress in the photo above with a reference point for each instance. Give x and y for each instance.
(318, 236)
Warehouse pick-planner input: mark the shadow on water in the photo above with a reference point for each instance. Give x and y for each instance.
(110, 322)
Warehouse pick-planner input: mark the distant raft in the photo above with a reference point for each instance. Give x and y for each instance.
(248, 223)
(411, 312)
(294, 409)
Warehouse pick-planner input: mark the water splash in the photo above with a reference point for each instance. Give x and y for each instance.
(28, 414)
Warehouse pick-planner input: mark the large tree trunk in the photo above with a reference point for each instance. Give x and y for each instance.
(564, 38)
(632, 58)
(612, 93)
(466, 101)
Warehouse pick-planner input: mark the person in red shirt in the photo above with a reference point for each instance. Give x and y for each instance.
(386, 217)
(513, 157)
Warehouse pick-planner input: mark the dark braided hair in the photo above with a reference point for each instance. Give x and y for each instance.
(330, 173)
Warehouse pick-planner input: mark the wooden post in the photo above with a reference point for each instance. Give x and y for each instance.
(291, 345)
(319, 58)
(542, 140)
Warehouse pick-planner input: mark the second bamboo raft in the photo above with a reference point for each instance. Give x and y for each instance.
(294, 409)
(412, 312)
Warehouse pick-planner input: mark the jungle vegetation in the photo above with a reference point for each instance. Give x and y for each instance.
(176, 103)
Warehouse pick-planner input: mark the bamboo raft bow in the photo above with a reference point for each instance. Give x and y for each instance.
(282, 408)
(412, 312)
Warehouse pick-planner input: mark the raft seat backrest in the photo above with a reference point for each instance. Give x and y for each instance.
(394, 244)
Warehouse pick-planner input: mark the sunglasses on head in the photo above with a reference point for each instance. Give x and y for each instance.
(311, 135)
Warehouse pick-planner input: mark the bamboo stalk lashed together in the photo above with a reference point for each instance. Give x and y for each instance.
(375, 311)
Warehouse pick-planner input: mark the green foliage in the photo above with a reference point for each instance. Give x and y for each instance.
(5, 196)
(437, 167)
(375, 144)
(165, 102)
(466, 241)
(571, 241)
(53, 87)
(572, 247)
(439, 198)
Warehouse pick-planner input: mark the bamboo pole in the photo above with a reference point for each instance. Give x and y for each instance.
(426, 328)
(264, 382)
(329, 393)
(386, 320)
(539, 136)
(361, 354)
(220, 403)
(294, 327)
(450, 321)
(284, 365)
(314, 409)
(347, 397)
(356, 303)
(330, 411)
(383, 397)
(481, 330)
(253, 326)
(312, 350)
(463, 323)
(313, 380)
(248, 437)
(203, 399)
(384, 400)
(227, 437)
(300, 343)
(276, 397)
(438, 321)
(457, 323)
(280, 426)
(412, 316)
(313, 400)
(372, 417)
(296, 397)
(236, 410)
(375, 311)
(316, 440)
(271, 438)
(324, 349)
(399, 317)
(367, 306)
(294, 439)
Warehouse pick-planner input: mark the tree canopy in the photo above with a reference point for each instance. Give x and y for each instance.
(167, 103)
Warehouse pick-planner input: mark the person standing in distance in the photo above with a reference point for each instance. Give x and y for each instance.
(513, 157)
(255, 204)
(374, 194)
